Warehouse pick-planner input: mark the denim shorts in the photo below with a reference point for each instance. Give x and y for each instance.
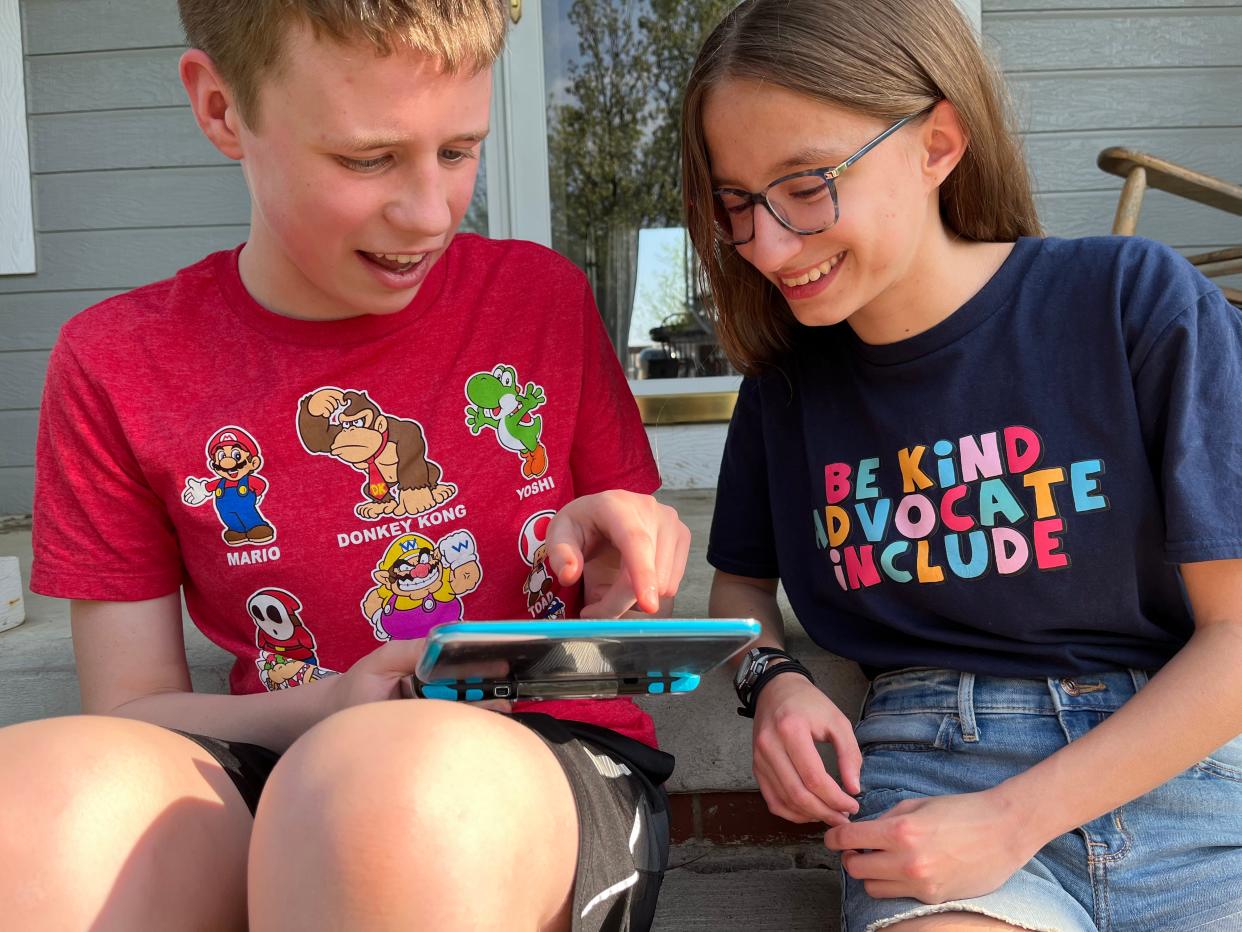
(1170, 860)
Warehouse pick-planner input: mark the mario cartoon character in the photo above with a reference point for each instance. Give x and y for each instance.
(287, 651)
(391, 452)
(234, 457)
(420, 584)
(539, 588)
(496, 402)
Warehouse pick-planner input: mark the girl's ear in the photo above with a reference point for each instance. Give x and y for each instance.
(944, 141)
(212, 102)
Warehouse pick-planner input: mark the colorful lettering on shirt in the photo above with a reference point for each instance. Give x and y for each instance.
(970, 507)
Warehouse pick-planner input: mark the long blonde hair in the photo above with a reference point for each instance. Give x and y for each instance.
(882, 58)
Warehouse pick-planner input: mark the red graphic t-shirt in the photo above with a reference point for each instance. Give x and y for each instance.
(320, 487)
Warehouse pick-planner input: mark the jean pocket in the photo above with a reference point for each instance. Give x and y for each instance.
(1225, 761)
(907, 731)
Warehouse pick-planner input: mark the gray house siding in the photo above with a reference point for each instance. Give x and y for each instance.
(126, 189)
(1154, 75)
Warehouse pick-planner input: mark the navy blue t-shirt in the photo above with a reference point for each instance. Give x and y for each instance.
(1010, 491)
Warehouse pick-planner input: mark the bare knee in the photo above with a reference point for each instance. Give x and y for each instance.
(112, 821)
(952, 922)
(468, 803)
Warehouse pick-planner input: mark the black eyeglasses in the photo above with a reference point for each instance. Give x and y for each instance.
(804, 202)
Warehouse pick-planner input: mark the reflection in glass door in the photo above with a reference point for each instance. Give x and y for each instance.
(613, 73)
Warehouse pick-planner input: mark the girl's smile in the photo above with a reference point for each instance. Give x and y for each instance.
(808, 283)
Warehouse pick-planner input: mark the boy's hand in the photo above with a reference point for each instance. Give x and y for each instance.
(791, 716)
(377, 677)
(645, 541)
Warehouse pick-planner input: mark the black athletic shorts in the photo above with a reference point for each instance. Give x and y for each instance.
(623, 828)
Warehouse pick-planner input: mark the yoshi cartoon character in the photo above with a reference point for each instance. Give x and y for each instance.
(496, 402)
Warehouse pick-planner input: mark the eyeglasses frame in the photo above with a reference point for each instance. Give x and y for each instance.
(830, 176)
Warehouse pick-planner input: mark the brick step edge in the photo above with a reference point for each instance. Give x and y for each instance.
(733, 818)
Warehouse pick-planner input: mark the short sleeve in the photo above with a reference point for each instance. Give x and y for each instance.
(610, 447)
(100, 532)
(742, 541)
(1189, 393)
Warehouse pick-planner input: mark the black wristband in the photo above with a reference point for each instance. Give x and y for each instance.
(789, 666)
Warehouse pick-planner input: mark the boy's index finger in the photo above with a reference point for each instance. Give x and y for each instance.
(638, 556)
(604, 531)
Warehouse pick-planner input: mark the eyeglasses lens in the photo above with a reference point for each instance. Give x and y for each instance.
(735, 218)
(805, 204)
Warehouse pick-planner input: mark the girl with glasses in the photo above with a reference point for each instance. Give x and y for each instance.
(996, 470)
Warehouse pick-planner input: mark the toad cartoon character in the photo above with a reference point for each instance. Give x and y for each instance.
(234, 457)
(496, 402)
(420, 584)
(540, 586)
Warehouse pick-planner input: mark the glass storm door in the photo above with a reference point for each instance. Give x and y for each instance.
(584, 157)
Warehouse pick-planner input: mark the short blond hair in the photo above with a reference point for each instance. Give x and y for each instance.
(245, 38)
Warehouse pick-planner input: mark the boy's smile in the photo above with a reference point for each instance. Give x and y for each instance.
(360, 168)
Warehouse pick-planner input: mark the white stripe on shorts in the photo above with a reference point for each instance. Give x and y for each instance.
(621, 884)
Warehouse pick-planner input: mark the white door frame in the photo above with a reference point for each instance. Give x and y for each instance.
(519, 201)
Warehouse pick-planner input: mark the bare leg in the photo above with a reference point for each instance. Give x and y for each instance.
(107, 823)
(952, 922)
(416, 815)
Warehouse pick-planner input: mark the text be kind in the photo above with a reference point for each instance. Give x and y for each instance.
(967, 495)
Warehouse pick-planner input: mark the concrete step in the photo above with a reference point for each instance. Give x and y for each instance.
(736, 889)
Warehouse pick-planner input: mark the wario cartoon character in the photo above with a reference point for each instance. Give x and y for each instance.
(539, 588)
(234, 457)
(287, 650)
(420, 584)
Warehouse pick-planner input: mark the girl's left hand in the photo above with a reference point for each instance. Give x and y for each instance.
(936, 849)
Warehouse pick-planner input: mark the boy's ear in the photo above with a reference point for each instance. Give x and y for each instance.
(212, 102)
(945, 141)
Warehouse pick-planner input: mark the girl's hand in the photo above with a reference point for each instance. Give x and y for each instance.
(936, 849)
(792, 715)
(377, 677)
(630, 548)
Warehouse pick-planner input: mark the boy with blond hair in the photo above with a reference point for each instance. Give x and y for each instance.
(311, 385)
